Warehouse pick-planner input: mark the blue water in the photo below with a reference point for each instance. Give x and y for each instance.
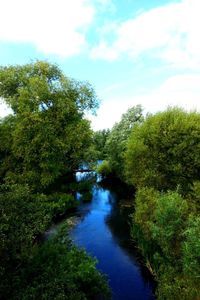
(103, 232)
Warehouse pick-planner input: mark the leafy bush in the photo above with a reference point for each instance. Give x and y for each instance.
(163, 151)
(169, 238)
(58, 270)
(191, 254)
(195, 196)
(104, 169)
(23, 217)
(59, 203)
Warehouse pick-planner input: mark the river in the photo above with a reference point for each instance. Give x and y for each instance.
(103, 231)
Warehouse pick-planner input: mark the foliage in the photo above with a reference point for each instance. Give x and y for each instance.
(182, 280)
(41, 145)
(160, 216)
(23, 217)
(191, 254)
(170, 218)
(117, 140)
(41, 85)
(58, 270)
(50, 134)
(99, 139)
(84, 185)
(168, 236)
(163, 152)
(195, 196)
(160, 157)
(104, 169)
(60, 203)
(145, 204)
(7, 162)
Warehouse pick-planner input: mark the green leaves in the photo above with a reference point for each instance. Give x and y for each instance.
(55, 270)
(168, 236)
(191, 249)
(23, 217)
(164, 151)
(162, 161)
(99, 139)
(44, 141)
(170, 220)
(116, 143)
(50, 136)
(104, 169)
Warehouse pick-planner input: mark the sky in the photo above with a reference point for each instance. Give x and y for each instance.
(131, 51)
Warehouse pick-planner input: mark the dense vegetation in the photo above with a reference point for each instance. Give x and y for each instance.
(99, 143)
(116, 141)
(160, 157)
(42, 144)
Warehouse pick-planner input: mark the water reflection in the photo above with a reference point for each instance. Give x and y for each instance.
(104, 233)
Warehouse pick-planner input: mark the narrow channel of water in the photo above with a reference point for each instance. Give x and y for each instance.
(103, 232)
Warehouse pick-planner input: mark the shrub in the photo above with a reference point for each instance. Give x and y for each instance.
(104, 169)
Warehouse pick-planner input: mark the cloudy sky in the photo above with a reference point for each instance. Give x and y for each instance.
(132, 51)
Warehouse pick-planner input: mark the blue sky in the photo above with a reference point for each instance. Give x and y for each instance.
(133, 51)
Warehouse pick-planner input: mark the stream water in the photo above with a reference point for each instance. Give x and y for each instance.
(103, 231)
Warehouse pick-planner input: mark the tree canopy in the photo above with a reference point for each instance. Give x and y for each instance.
(163, 152)
(117, 139)
(41, 144)
(48, 134)
(162, 161)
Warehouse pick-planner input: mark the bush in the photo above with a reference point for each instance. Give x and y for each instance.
(163, 152)
(169, 236)
(104, 169)
(191, 254)
(59, 203)
(59, 270)
(23, 217)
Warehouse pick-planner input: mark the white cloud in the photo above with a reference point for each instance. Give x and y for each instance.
(102, 49)
(54, 27)
(180, 90)
(169, 32)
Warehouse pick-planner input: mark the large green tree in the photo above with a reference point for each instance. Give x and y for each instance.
(50, 135)
(45, 139)
(164, 151)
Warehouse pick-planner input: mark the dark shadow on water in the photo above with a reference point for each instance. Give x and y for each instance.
(118, 222)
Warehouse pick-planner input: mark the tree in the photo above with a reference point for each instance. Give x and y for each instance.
(99, 138)
(117, 140)
(163, 163)
(50, 134)
(44, 139)
(163, 152)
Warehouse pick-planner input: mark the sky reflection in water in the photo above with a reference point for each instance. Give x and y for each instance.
(96, 233)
